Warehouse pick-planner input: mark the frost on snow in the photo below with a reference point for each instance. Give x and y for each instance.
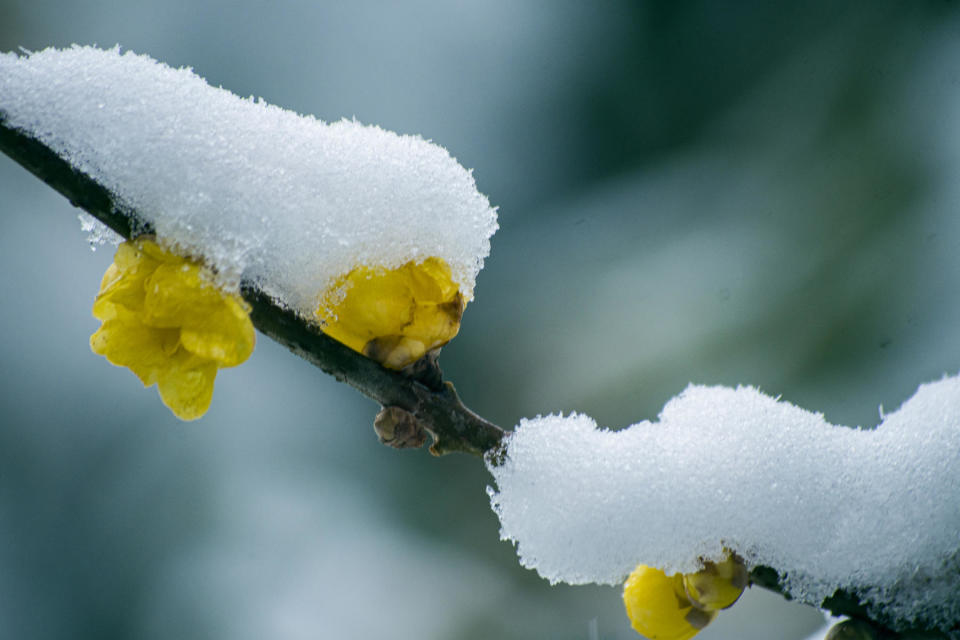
(873, 511)
(258, 191)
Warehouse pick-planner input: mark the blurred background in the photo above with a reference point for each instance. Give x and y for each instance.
(712, 192)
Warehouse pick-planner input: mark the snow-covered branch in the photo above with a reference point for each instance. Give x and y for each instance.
(277, 206)
(436, 406)
(860, 521)
(284, 210)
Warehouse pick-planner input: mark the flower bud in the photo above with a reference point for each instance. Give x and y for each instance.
(718, 585)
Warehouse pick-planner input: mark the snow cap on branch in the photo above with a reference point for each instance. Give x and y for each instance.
(257, 191)
(876, 512)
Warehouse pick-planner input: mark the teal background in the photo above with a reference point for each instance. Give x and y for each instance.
(711, 192)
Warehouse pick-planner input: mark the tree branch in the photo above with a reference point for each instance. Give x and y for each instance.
(434, 404)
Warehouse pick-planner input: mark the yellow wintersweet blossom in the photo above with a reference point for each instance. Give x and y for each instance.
(677, 607)
(165, 320)
(394, 316)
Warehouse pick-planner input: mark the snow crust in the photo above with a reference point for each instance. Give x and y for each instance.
(258, 191)
(875, 511)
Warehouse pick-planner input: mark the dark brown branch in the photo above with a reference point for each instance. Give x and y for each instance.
(433, 403)
(439, 409)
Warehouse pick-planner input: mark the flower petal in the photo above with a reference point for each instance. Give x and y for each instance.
(127, 342)
(178, 295)
(430, 281)
(225, 336)
(436, 324)
(186, 386)
(135, 256)
(394, 316)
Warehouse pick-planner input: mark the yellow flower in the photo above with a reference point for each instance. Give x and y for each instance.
(394, 316)
(166, 321)
(658, 607)
(677, 607)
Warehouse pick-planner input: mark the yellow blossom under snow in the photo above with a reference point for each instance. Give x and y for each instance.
(166, 321)
(677, 607)
(394, 316)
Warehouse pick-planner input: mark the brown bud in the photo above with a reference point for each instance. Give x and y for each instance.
(399, 429)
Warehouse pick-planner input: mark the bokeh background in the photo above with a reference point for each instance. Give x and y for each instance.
(713, 192)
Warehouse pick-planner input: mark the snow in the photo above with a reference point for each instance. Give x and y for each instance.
(876, 511)
(259, 192)
(98, 234)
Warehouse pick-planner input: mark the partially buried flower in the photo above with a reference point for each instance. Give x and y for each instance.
(394, 316)
(165, 320)
(677, 607)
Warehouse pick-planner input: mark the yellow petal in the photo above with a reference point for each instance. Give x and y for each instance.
(436, 324)
(718, 585)
(431, 281)
(124, 290)
(110, 277)
(658, 608)
(177, 295)
(394, 316)
(225, 336)
(186, 386)
(135, 256)
(127, 342)
(103, 307)
(150, 250)
(124, 281)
